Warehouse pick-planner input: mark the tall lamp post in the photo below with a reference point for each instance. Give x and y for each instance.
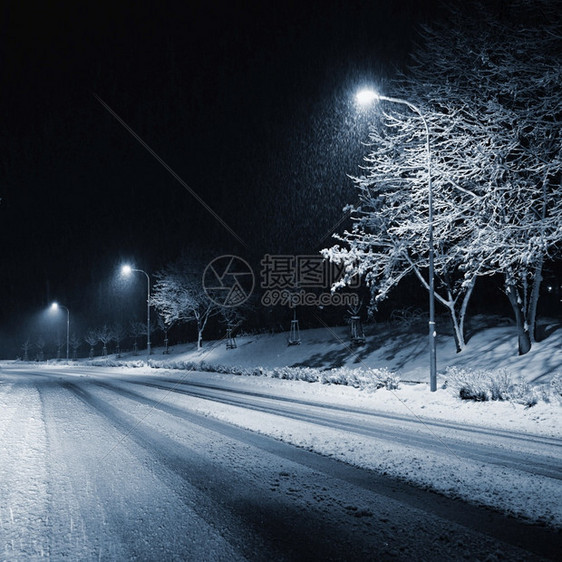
(127, 270)
(365, 97)
(55, 306)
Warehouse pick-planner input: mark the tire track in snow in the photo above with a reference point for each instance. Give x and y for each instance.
(115, 507)
(543, 541)
(320, 415)
(470, 429)
(264, 528)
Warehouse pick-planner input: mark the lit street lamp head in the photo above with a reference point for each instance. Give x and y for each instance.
(126, 270)
(366, 96)
(55, 306)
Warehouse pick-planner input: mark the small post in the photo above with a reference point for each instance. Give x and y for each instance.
(357, 335)
(230, 339)
(294, 333)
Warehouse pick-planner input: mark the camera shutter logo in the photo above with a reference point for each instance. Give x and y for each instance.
(228, 281)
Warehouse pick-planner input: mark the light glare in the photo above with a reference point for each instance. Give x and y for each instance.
(126, 270)
(366, 96)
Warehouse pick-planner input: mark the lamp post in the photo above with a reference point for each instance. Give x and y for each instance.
(365, 97)
(56, 306)
(127, 270)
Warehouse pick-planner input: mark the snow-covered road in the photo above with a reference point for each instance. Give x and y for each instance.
(94, 465)
(538, 455)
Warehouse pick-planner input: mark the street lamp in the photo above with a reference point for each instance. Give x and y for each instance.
(127, 270)
(55, 306)
(365, 97)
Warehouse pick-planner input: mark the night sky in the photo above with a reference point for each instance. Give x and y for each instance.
(249, 103)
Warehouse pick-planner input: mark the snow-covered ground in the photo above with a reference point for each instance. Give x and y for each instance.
(397, 347)
(506, 488)
(115, 464)
(442, 417)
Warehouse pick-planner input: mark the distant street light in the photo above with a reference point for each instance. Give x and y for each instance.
(54, 307)
(127, 270)
(365, 97)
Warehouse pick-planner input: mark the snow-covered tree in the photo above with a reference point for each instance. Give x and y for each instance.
(26, 346)
(489, 90)
(59, 344)
(119, 334)
(105, 335)
(74, 344)
(136, 330)
(91, 338)
(40, 345)
(514, 118)
(164, 327)
(179, 296)
(390, 236)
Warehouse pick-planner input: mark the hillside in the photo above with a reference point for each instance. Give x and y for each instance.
(400, 347)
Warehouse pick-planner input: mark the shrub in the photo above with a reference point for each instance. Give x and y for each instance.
(556, 386)
(357, 378)
(294, 373)
(391, 381)
(371, 379)
(482, 385)
(470, 385)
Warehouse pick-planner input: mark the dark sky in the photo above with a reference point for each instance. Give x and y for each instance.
(248, 102)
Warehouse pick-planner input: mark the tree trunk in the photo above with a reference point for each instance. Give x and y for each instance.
(457, 330)
(523, 336)
(534, 300)
(457, 318)
(464, 307)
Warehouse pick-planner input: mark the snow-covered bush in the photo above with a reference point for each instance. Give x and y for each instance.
(114, 363)
(391, 381)
(367, 379)
(482, 385)
(371, 379)
(501, 385)
(556, 387)
(469, 385)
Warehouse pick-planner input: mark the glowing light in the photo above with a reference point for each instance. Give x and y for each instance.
(366, 96)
